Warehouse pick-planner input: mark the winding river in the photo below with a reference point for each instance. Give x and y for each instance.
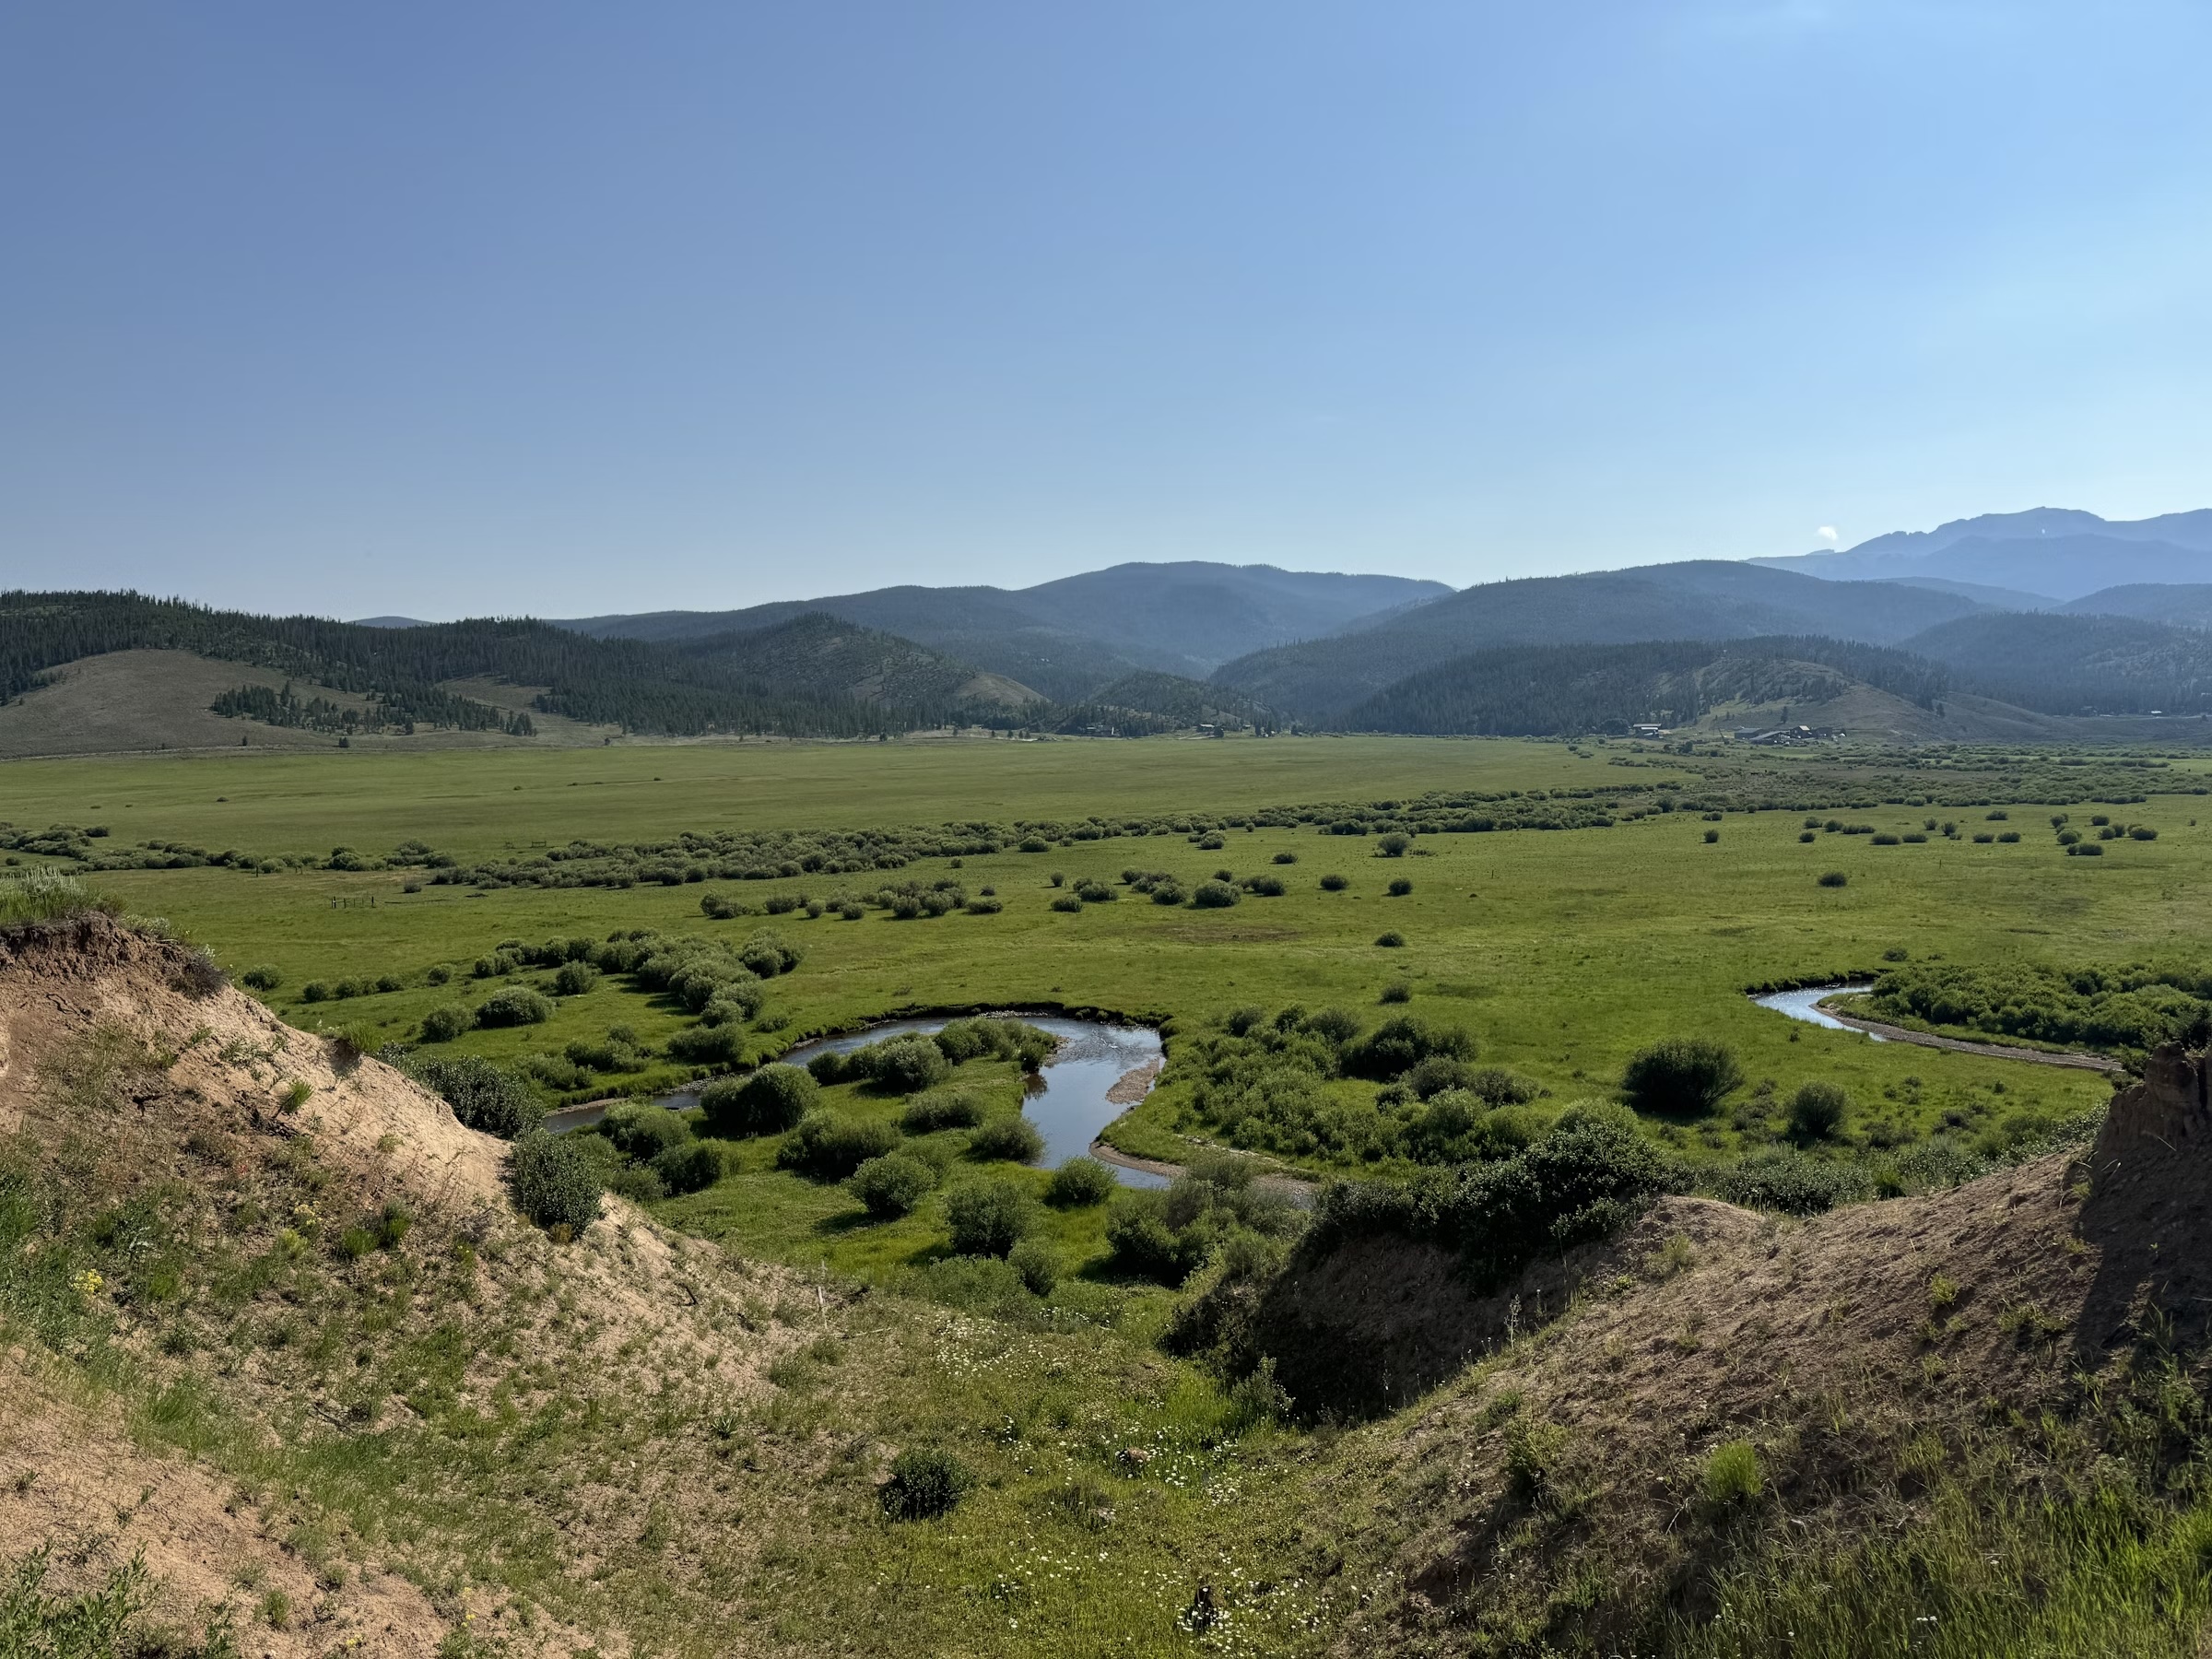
(1069, 1100)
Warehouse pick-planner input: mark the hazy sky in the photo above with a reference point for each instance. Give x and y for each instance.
(453, 308)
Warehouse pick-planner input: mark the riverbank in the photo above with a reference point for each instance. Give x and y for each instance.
(1959, 1046)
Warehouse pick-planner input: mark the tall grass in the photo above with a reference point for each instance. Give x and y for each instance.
(41, 895)
(2107, 1573)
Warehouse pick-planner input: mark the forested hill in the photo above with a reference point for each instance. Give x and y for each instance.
(709, 686)
(1549, 691)
(1070, 637)
(2069, 664)
(1705, 599)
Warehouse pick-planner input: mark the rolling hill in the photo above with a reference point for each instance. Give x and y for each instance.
(362, 679)
(1070, 637)
(1321, 679)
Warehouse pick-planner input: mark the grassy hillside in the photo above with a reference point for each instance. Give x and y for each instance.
(1321, 681)
(397, 677)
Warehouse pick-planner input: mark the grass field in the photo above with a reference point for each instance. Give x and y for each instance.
(476, 802)
(1564, 953)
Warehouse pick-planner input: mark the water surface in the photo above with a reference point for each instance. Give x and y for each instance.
(1804, 1005)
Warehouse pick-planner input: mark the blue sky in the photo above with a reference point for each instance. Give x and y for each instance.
(575, 308)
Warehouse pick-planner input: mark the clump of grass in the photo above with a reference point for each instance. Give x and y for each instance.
(44, 895)
(1732, 1475)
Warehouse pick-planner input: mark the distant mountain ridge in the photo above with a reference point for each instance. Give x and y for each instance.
(2056, 550)
(1319, 680)
(1070, 637)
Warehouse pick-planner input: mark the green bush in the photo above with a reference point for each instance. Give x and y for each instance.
(1400, 887)
(1393, 940)
(641, 1130)
(442, 1025)
(1817, 1111)
(988, 1217)
(2136, 1005)
(1286, 858)
(1078, 1183)
(769, 953)
(721, 1045)
(1142, 1240)
(830, 1147)
(925, 1483)
(1457, 1128)
(516, 1005)
(766, 1101)
(260, 979)
(573, 979)
(1682, 1077)
(1593, 1173)
(1214, 895)
(977, 1039)
(900, 1064)
(1402, 1043)
(1068, 904)
(690, 1167)
(1834, 879)
(892, 1185)
(1335, 884)
(941, 1108)
(552, 1181)
(1013, 1139)
(1397, 991)
(483, 1096)
(1795, 1183)
(1393, 846)
(1038, 1264)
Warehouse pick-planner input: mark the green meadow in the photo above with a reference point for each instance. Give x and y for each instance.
(1562, 952)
